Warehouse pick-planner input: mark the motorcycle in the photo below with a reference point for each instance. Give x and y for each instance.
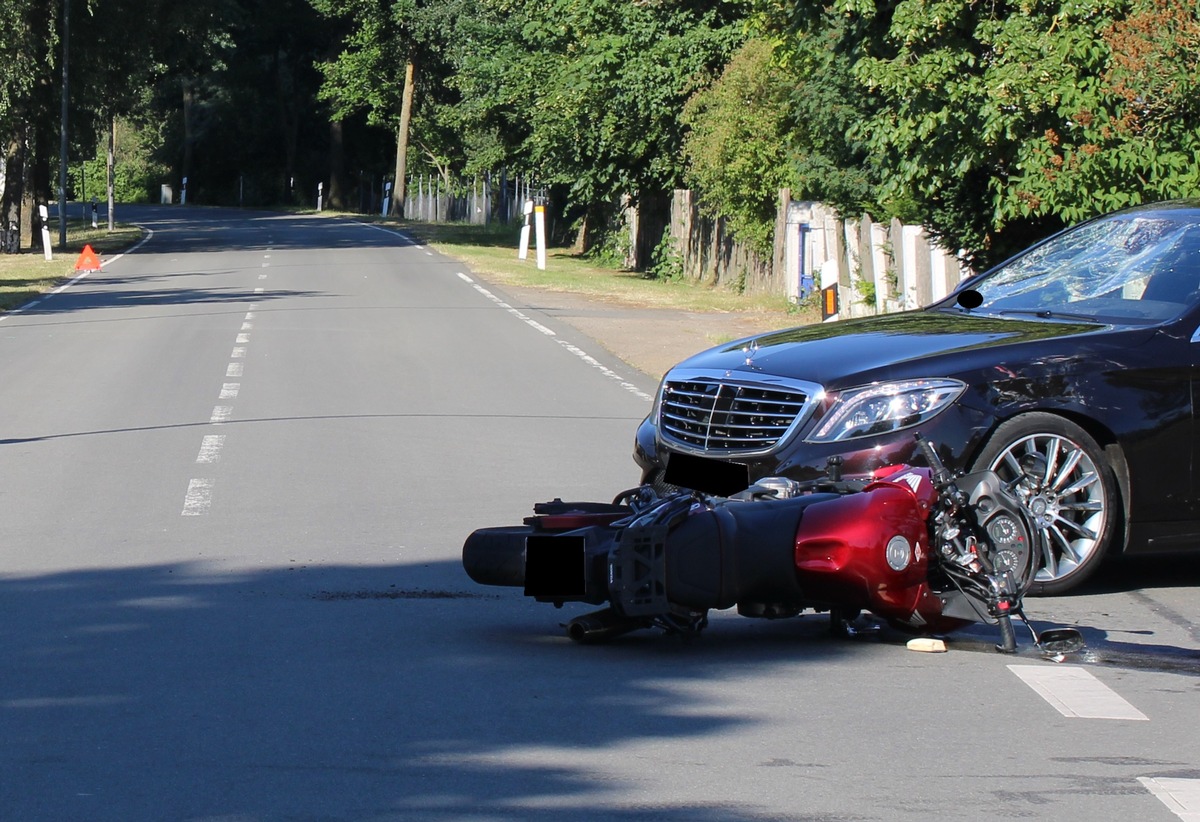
(926, 551)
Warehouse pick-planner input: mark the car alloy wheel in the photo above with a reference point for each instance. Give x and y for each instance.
(1059, 472)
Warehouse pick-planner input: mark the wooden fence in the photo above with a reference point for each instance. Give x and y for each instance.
(876, 267)
(708, 253)
(478, 201)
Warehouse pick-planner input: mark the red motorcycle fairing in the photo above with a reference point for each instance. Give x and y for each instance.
(841, 550)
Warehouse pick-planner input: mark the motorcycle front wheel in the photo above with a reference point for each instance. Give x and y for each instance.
(1060, 474)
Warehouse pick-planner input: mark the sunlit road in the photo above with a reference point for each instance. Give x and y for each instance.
(236, 469)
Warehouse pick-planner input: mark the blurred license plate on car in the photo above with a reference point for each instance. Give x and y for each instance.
(708, 476)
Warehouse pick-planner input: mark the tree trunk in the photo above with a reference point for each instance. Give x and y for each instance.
(337, 166)
(189, 96)
(14, 188)
(399, 189)
(39, 189)
(289, 121)
(111, 171)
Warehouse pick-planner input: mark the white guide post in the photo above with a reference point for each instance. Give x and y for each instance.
(523, 249)
(44, 213)
(539, 227)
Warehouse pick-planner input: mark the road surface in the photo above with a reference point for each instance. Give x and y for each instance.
(237, 468)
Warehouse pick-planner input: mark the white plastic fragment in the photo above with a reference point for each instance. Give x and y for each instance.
(927, 645)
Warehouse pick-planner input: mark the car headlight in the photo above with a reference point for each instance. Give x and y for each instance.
(877, 409)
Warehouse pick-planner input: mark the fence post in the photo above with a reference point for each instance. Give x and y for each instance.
(850, 270)
(880, 260)
(796, 266)
(924, 270)
(779, 260)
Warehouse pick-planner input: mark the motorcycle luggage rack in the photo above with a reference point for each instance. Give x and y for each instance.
(639, 571)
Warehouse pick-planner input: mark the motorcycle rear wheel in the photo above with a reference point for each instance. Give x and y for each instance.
(496, 556)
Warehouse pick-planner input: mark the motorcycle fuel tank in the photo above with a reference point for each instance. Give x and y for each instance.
(871, 550)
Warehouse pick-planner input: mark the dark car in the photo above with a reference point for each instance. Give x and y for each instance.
(1071, 370)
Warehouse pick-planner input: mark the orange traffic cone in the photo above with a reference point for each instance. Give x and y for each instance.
(88, 260)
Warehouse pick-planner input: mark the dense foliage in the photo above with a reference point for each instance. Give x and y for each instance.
(991, 123)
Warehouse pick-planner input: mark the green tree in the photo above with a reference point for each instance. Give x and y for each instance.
(391, 66)
(1125, 131)
(594, 91)
(26, 54)
(782, 114)
(737, 146)
(994, 123)
(137, 173)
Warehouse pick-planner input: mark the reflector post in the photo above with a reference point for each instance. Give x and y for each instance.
(829, 302)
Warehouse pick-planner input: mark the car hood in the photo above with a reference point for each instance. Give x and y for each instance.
(911, 344)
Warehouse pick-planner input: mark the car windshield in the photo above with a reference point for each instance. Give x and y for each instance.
(1137, 268)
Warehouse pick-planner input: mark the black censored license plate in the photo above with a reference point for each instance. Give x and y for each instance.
(554, 567)
(708, 476)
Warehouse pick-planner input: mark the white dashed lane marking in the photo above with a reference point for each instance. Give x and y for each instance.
(1181, 796)
(199, 498)
(1074, 692)
(210, 448)
(574, 349)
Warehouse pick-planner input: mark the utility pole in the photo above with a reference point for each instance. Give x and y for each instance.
(112, 162)
(62, 151)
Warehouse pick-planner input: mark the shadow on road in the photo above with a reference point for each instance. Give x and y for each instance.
(225, 229)
(1138, 573)
(180, 692)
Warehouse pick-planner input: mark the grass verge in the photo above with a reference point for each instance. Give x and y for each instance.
(491, 251)
(25, 276)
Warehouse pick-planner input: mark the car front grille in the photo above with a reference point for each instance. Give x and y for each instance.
(713, 415)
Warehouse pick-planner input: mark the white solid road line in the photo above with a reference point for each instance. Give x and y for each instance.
(1074, 692)
(1181, 796)
(21, 309)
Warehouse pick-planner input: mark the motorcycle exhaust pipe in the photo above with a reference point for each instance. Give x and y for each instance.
(600, 626)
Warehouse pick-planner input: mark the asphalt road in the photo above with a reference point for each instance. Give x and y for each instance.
(237, 468)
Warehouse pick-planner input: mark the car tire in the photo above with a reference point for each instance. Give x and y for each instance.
(1064, 478)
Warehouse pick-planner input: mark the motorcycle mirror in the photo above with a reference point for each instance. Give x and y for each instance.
(1061, 641)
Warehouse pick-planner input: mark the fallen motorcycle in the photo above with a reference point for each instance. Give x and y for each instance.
(924, 550)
